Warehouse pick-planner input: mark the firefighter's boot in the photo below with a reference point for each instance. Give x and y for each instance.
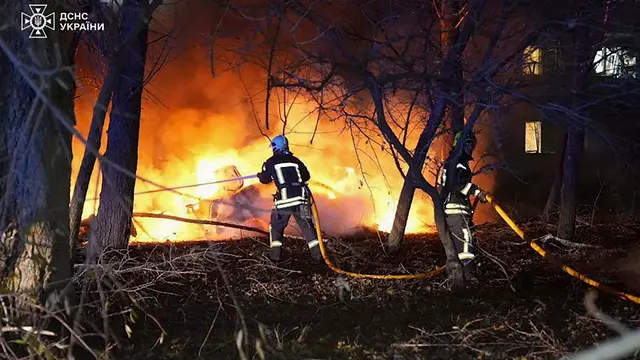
(315, 250)
(469, 267)
(276, 253)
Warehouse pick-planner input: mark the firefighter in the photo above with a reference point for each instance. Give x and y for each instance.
(292, 197)
(458, 210)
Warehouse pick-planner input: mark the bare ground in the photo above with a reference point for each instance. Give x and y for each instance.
(298, 309)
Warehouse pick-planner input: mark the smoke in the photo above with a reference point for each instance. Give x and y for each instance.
(194, 123)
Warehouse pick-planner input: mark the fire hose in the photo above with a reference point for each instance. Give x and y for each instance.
(567, 269)
(572, 272)
(173, 189)
(323, 251)
(439, 270)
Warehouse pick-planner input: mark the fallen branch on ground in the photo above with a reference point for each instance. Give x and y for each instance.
(212, 222)
(550, 237)
(201, 222)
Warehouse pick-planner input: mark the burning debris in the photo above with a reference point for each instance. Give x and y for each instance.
(236, 203)
(228, 173)
(240, 204)
(236, 208)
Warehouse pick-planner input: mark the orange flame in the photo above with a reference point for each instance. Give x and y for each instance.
(209, 125)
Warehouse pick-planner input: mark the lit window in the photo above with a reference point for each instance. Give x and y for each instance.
(533, 137)
(532, 61)
(615, 62)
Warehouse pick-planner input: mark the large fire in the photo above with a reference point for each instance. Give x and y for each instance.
(195, 125)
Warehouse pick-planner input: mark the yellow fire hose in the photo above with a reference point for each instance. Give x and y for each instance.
(567, 269)
(440, 269)
(331, 266)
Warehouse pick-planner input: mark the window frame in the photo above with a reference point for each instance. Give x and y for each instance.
(613, 62)
(537, 131)
(532, 58)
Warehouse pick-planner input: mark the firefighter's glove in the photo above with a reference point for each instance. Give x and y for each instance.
(482, 196)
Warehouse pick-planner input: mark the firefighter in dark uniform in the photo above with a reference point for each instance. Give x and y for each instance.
(292, 197)
(458, 209)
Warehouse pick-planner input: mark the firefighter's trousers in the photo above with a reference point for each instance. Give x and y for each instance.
(280, 220)
(461, 226)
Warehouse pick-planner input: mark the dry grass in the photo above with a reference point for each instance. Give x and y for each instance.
(172, 302)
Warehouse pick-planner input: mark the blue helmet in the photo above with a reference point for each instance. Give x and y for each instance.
(280, 144)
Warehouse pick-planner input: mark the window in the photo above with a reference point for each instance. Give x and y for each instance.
(532, 61)
(533, 137)
(615, 62)
(553, 61)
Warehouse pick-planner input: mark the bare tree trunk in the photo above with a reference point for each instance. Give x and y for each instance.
(454, 268)
(113, 222)
(116, 58)
(35, 256)
(405, 200)
(89, 159)
(570, 174)
(5, 76)
(448, 37)
(557, 182)
(394, 240)
(585, 39)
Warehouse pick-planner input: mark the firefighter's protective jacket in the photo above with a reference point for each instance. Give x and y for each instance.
(457, 202)
(290, 175)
